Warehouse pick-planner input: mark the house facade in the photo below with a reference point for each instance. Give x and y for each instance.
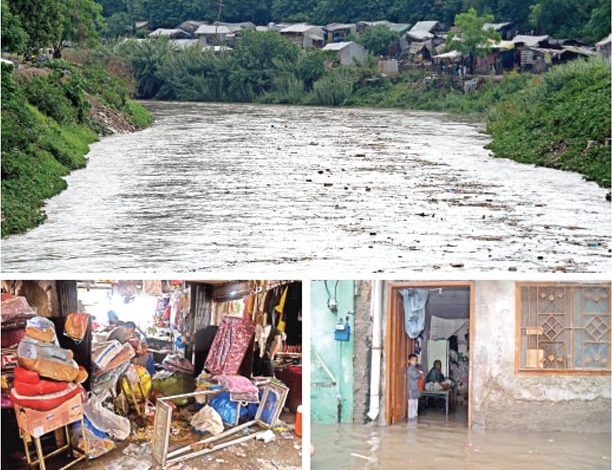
(348, 52)
(523, 356)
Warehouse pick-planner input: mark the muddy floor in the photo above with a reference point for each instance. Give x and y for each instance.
(244, 188)
(284, 452)
(433, 443)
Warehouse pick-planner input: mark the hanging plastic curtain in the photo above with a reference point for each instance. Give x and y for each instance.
(414, 310)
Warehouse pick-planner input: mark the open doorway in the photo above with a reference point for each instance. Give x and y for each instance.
(439, 328)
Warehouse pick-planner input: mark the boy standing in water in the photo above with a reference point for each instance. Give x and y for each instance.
(413, 375)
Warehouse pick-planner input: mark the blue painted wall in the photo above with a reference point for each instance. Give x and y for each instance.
(336, 355)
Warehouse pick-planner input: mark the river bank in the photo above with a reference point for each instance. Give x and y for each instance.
(50, 116)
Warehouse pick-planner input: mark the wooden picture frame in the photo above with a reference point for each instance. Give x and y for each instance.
(271, 404)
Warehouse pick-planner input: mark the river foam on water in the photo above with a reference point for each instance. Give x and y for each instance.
(451, 446)
(246, 188)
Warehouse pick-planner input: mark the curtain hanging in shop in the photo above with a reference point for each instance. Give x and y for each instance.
(229, 346)
(414, 310)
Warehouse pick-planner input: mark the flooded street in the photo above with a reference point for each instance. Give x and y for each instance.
(246, 188)
(436, 445)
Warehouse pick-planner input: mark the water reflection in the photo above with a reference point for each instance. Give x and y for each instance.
(434, 444)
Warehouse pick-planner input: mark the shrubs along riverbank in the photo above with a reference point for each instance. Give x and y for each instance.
(50, 115)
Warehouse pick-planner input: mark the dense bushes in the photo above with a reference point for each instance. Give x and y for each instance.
(262, 66)
(47, 127)
(561, 120)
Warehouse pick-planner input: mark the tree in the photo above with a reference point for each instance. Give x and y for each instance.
(118, 24)
(147, 58)
(256, 59)
(82, 21)
(378, 39)
(14, 37)
(295, 10)
(311, 66)
(42, 20)
(472, 40)
(572, 19)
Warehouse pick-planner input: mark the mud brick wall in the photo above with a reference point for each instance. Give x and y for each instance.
(362, 353)
(505, 400)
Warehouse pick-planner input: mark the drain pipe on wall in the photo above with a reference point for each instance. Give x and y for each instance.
(376, 309)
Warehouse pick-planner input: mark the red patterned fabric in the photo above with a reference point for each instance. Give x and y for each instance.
(230, 345)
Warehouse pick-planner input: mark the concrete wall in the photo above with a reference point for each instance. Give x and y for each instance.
(362, 351)
(337, 355)
(502, 399)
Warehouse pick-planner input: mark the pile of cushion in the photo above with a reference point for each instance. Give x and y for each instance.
(47, 375)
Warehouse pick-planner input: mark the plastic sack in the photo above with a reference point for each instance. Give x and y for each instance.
(48, 360)
(76, 325)
(107, 380)
(207, 420)
(134, 375)
(105, 420)
(41, 329)
(105, 352)
(98, 442)
(120, 356)
(227, 408)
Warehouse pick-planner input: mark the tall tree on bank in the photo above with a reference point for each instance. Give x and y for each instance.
(82, 21)
(472, 39)
(43, 21)
(14, 37)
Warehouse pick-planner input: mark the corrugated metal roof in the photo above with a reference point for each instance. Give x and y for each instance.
(530, 41)
(337, 46)
(339, 26)
(213, 29)
(298, 28)
(495, 26)
(166, 32)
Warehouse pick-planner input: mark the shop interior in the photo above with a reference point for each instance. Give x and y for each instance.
(433, 323)
(142, 374)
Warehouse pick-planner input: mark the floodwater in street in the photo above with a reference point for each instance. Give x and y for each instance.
(437, 445)
(246, 188)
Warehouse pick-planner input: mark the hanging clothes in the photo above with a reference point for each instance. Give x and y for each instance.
(414, 310)
(293, 314)
(280, 310)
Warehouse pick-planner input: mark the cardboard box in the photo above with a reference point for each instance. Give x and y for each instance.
(37, 423)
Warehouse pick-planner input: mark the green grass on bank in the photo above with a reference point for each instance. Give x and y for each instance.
(561, 120)
(46, 131)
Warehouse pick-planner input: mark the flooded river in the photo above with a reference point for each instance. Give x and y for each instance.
(246, 188)
(452, 447)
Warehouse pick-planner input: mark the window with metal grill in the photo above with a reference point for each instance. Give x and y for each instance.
(563, 328)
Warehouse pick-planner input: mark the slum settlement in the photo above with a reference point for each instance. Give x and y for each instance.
(151, 374)
(422, 45)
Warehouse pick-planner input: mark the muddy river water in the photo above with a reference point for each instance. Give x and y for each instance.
(451, 446)
(246, 188)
